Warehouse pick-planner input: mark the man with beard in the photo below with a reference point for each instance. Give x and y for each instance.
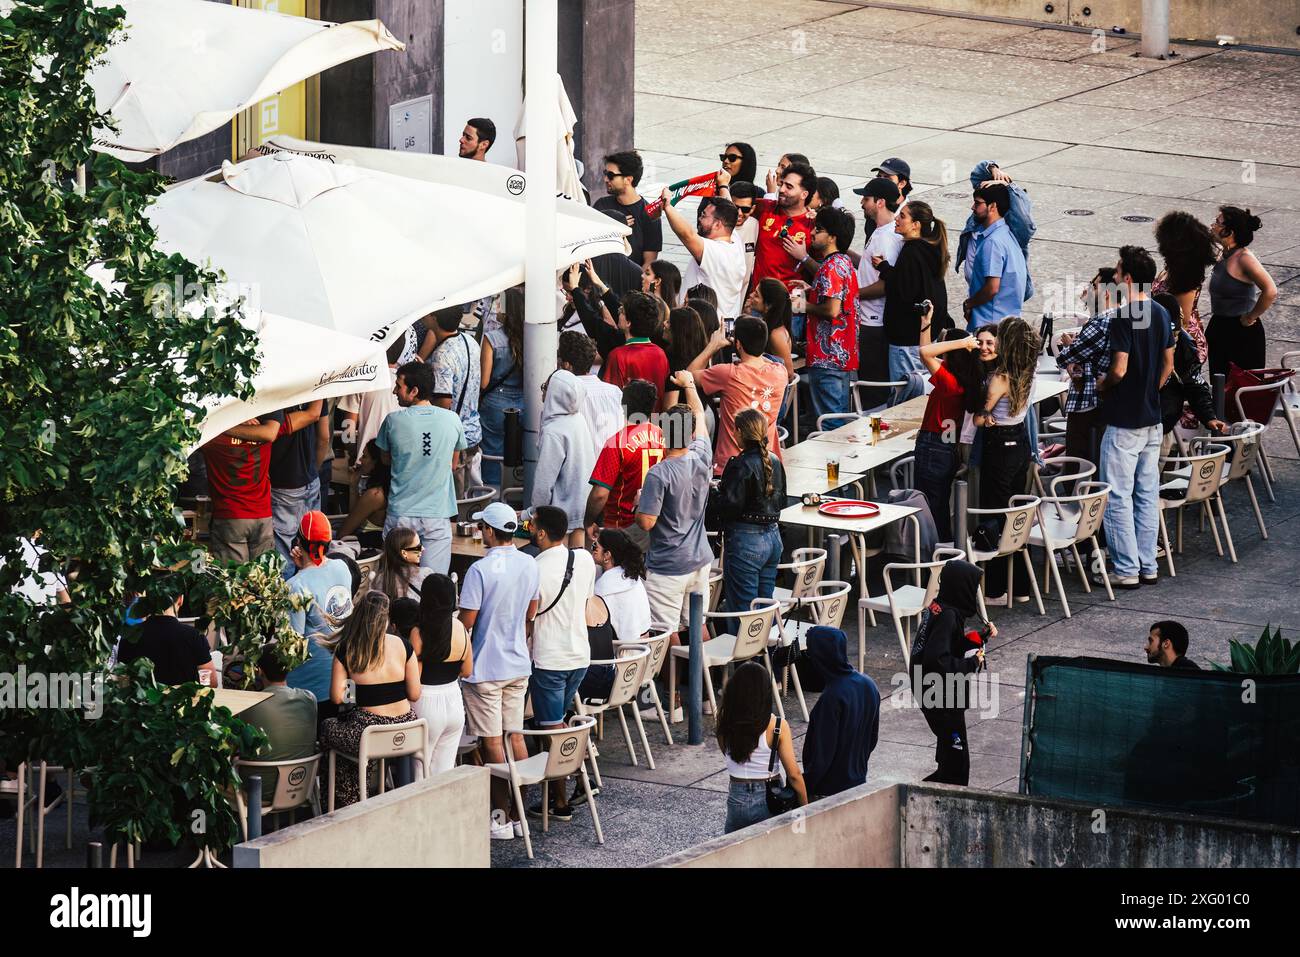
(997, 272)
(479, 135)
(716, 261)
(786, 217)
(832, 313)
(623, 173)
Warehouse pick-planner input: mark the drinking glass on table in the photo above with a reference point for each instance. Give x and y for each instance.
(833, 470)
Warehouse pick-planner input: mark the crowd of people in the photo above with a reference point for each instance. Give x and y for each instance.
(664, 421)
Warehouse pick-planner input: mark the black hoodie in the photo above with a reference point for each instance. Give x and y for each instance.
(940, 646)
(917, 275)
(845, 722)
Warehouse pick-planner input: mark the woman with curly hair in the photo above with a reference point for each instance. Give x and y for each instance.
(1004, 462)
(1188, 248)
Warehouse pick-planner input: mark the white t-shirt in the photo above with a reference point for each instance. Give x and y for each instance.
(747, 233)
(886, 242)
(560, 635)
(722, 269)
(602, 407)
(371, 409)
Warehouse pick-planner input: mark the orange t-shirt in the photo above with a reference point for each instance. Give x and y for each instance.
(744, 386)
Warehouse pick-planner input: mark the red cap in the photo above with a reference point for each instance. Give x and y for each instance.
(315, 530)
(974, 637)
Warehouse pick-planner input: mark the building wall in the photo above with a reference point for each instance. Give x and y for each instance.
(596, 58)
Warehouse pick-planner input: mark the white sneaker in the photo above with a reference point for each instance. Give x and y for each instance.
(519, 828)
(501, 827)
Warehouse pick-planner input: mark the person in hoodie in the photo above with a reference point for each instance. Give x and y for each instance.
(944, 653)
(845, 723)
(565, 456)
(1020, 220)
(916, 275)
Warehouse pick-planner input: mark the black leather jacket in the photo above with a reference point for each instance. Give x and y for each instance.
(1186, 384)
(742, 496)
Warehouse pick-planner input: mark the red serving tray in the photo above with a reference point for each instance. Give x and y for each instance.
(850, 508)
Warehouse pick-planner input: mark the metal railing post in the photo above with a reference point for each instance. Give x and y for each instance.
(960, 530)
(695, 686)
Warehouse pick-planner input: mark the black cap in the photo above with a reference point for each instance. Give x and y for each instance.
(895, 167)
(880, 188)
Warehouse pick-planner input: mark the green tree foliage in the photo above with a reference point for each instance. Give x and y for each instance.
(101, 384)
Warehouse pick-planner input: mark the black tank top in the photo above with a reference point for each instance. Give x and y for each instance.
(440, 672)
(389, 692)
(601, 637)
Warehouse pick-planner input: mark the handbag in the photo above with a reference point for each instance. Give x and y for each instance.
(780, 796)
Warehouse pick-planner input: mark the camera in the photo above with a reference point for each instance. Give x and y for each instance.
(922, 307)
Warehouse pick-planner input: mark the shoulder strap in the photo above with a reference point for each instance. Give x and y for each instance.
(771, 758)
(499, 380)
(568, 577)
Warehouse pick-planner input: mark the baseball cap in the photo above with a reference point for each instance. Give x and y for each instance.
(315, 531)
(498, 515)
(895, 167)
(880, 188)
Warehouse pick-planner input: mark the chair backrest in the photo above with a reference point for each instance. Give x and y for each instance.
(836, 419)
(1073, 469)
(807, 565)
(383, 741)
(1244, 439)
(1277, 388)
(1019, 522)
(754, 627)
(829, 603)
(1206, 471)
(658, 640)
(1092, 498)
(715, 589)
(933, 568)
(631, 661)
(367, 567)
(293, 782)
(567, 745)
(902, 473)
(860, 406)
(476, 496)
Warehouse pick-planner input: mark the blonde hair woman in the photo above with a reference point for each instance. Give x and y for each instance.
(385, 679)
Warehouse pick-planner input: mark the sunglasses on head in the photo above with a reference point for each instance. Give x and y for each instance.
(730, 157)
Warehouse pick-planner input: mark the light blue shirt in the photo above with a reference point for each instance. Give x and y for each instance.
(330, 586)
(997, 253)
(499, 587)
(421, 439)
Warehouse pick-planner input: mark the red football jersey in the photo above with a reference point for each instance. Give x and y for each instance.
(621, 467)
(637, 359)
(239, 476)
(770, 258)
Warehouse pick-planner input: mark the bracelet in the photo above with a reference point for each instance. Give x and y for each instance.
(804, 260)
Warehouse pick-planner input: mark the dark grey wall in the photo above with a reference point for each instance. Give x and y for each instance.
(418, 71)
(347, 91)
(596, 43)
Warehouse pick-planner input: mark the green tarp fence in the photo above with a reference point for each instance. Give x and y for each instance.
(1197, 742)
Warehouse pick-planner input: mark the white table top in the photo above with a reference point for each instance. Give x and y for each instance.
(810, 517)
(800, 480)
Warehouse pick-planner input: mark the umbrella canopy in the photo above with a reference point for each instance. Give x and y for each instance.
(185, 67)
(361, 251)
(567, 181)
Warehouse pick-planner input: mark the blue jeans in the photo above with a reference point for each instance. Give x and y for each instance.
(936, 464)
(435, 536)
(902, 360)
(288, 506)
(326, 473)
(753, 552)
(798, 326)
(492, 414)
(829, 391)
(552, 693)
(746, 804)
(1130, 463)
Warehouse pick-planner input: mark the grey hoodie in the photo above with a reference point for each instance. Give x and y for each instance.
(565, 456)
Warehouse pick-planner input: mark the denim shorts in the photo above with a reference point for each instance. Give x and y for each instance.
(746, 804)
(552, 693)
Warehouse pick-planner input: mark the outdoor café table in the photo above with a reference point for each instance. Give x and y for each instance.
(235, 699)
(802, 479)
(857, 530)
(854, 448)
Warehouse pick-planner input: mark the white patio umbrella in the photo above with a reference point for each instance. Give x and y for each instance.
(567, 181)
(184, 67)
(360, 251)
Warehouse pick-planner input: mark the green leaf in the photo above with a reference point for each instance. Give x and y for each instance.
(1243, 658)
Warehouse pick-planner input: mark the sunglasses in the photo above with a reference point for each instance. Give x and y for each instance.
(414, 548)
(730, 157)
(611, 175)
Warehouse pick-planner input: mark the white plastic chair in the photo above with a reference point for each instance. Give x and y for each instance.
(1070, 468)
(861, 385)
(381, 742)
(1017, 525)
(904, 602)
(658, 640)
(902, 473)
(631, 661)
(1246, 439)
(568, 746)
(296, 785)
(838, 419)
(807, 566)
(1278, 388)
(825, 606)
(1063, 522)
(754, 628)
(1290, 399)
(28, 790)
(367, 567)
(1193, 480)
(476, 498)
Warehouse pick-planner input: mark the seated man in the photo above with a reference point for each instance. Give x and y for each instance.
(178, 651)
(1167, 646)
(288, 718)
